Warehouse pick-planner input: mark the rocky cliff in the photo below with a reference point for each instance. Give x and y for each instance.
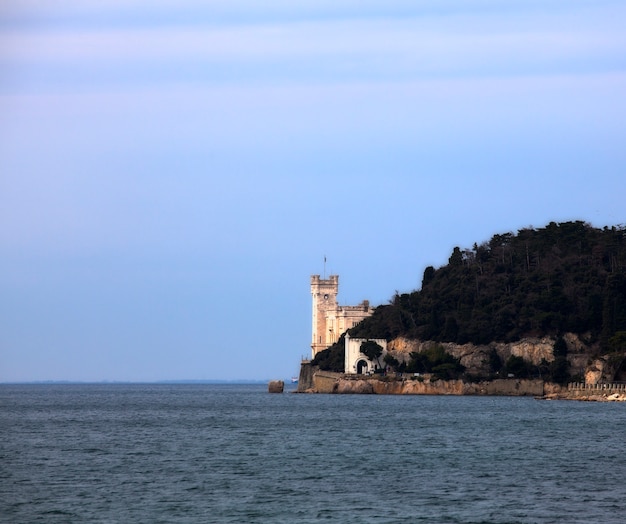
(584, 360)
(582, 357)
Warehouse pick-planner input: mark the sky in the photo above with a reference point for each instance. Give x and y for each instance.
(172, 173)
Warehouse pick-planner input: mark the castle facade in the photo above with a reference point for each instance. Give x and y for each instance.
(330, 320)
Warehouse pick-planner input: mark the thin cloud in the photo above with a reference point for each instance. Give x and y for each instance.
(296, 52)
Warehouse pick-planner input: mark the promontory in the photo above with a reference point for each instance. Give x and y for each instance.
(538, 312)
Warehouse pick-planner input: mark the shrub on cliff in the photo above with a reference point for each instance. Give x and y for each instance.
(394, 363)
(437, 361)
(518, 367)
(560, 347)
(559, 371)
(333, 358)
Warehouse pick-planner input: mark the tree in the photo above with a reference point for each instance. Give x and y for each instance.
(394, 363)
(437, 361)
(429, 274)
(560, 347)
(562, 278)
(559, 370)
(617, 343)
(517, 366)
(372, 350)
(495, 362)
(332, 358)
(456, 259)
(614, 307)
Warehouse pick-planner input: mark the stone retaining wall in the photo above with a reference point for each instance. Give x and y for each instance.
(582, 390)
(328, 382)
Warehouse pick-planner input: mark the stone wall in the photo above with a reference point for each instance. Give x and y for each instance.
(606, 392)
(305, 380)
(328, 382)
(325, 381)
(578, 389)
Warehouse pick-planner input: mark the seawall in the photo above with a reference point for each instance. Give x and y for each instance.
(305, 380)
(339, 383)
(312, 380)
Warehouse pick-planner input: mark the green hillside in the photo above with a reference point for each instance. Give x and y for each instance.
(567, 277)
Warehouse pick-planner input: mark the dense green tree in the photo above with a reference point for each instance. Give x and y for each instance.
(517, 367)
(617, 343)
(559, 370)
(429, 273)
(495, 362)
(437, 361)
(332, 358)
(372, 350)
(614, 310)
(456, 259)
(393, 363)
(567, 277)
(560, 347)
(564, 277)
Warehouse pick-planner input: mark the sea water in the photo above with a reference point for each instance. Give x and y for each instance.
(233, 453)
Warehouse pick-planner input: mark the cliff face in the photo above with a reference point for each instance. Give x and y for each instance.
(475, 358)
(598, 369)
(583, 359)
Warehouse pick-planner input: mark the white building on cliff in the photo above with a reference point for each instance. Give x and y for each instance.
(357, 362)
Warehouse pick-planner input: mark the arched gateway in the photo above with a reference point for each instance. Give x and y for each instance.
(361, 367)
(357, 362)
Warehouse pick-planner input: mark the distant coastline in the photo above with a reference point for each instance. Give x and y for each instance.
(130, 382)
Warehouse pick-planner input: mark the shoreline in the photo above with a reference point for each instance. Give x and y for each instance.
(314, 381)
(614, 397)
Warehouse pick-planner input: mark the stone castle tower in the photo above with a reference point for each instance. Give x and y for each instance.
(330, 320)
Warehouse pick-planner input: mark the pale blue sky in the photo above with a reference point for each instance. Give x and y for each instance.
(172, 174)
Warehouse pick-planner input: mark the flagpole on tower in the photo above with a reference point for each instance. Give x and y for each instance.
(324, 267)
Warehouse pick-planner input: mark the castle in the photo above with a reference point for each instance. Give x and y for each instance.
(330, 321)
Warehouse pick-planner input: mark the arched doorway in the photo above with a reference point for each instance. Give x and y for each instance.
(361, 367)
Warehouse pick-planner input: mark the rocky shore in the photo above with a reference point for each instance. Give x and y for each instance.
(602, 376)
(315, 381)
(339, 383)
(605, 397)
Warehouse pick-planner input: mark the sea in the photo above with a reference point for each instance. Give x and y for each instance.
(203, 453)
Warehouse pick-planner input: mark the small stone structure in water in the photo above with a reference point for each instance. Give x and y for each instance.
(276, 386)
